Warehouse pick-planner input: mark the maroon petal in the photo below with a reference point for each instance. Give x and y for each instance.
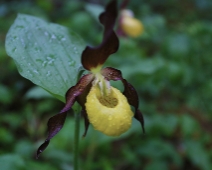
(76, 90)
(111, 74)
(56, 122)
(95, 56)
(129, 91)
(86, 121)
(42, 148)
(132, 97)
(139, 116)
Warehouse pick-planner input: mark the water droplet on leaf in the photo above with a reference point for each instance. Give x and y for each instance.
(35, 71)
(44, 63)
(63, 39)
(71, 63)
(14, 49)
(46, 33)
(29, 73)
(23, 43)
(53, 36)
(48, 73)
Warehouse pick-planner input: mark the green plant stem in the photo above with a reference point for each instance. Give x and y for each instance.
(77, 130)
(76, 139)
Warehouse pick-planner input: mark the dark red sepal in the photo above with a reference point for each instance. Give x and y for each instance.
(129, 91)
(95, 56)
(139, 116)
(111, 74)
(42, 148)
(86, 121)
(55, 124)
(132, 97)
(108, 18)
(76, 90)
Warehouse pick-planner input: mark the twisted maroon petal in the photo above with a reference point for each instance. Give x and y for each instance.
(55, 123)
(76, 90)
(132, 97)
(86, 121)
(94, 56)
(129, 91)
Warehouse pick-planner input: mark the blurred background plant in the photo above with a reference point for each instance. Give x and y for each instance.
(169, 65)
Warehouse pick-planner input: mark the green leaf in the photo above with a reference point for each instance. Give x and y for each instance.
(37, 93)
(198, 154)
(11, 161)
(47, 54)
(5, 95)
(95, 10)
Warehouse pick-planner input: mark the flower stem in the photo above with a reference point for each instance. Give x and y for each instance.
(76, 139)
(77, 130)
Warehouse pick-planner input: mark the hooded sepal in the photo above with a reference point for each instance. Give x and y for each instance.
(93, 57)
(108, 17)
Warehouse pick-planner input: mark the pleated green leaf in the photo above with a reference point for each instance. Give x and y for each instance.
(45, 53)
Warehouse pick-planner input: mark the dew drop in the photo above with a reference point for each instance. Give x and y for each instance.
(71, 63)
(44, 63)
(75, 50)
(50, 60)
(46, 33)
(29, 73)
(53, 36)
(66, 80)
(48, 73)
(14, 49)
(63, 39)
(23, 43)
(35, 71)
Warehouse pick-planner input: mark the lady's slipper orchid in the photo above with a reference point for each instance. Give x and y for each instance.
(104, 106)
(128, 25)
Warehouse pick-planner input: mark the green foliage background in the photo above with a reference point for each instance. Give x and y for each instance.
(169, 65)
